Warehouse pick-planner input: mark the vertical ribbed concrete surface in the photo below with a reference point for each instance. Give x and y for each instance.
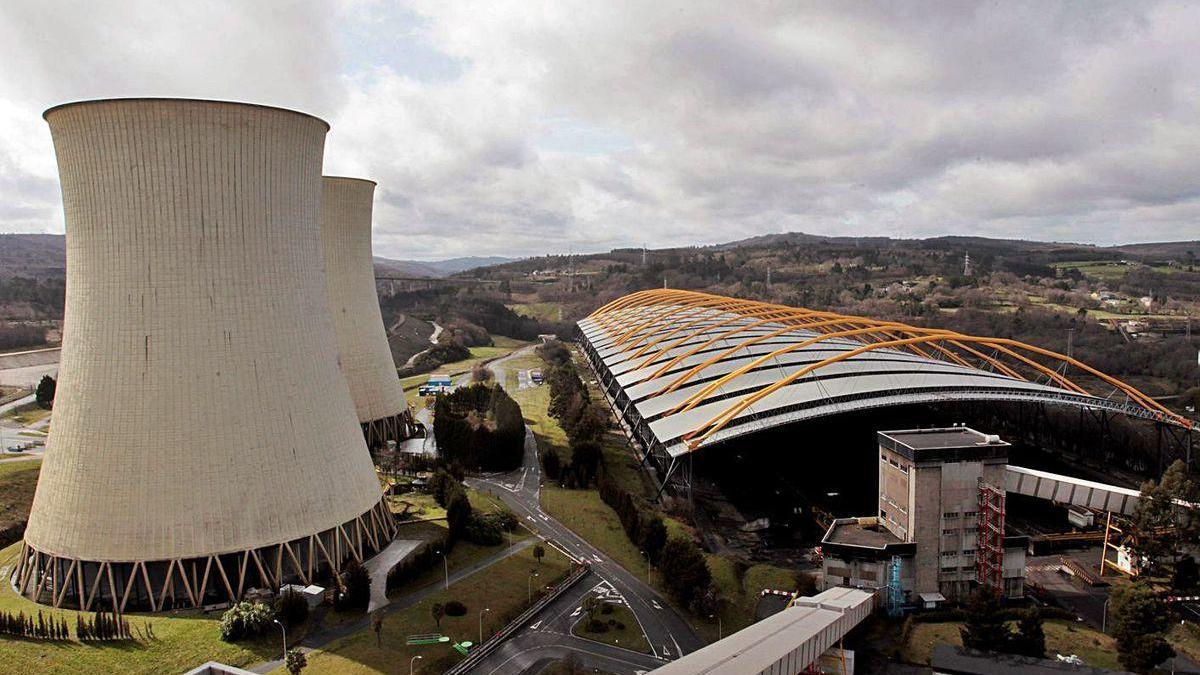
(200, 406)
(346, 205)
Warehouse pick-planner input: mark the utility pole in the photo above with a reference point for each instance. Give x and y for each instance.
(1070, 341)
(643, 255)
(967, 264)
(768, 275)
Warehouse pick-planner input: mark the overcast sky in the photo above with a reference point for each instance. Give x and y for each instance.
(522, 128)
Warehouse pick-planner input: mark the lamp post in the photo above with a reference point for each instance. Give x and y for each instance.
(485, 609)
(446, 565)
(647, 557)
(284, 629)
(720, 631)
(411, 661)
(1104, 616)
(529, 588)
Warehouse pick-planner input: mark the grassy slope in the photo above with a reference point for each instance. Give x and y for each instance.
(184, 640)
(18, 479)
(27, 414)
(501, 588)
(1063, 637)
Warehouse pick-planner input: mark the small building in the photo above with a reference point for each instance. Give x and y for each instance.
(936, 487)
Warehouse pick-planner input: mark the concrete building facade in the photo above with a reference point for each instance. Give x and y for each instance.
(346, 207)
(204, 440)
(928, 515)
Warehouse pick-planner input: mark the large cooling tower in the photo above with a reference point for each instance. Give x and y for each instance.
(204, 441)
(350, 274)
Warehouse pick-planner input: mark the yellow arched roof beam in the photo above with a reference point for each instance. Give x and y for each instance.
(657, 340)
(837, 321)
(673, 310)
(875, 326)
(610, 317)
(723, 418)
(740, 308)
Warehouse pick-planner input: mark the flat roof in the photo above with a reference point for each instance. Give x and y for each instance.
(941, 438)
(860, 532)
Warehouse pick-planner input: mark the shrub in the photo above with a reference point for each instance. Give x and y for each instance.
(245, 620)
(596, 626)
(482, 530)
(455, 608)
(291, 608)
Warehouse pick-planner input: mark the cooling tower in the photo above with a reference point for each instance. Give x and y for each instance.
(350, 276)
(204, 441)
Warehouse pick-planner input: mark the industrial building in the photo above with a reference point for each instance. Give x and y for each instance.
(687, 370)
(346, 207)
(939, 529)
(204, 438)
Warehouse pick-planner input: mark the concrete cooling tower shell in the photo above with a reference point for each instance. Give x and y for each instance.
(204, 441)
(346, 205)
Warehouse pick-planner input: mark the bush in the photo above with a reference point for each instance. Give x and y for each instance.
(245, 620)
(455, 608)
(596, 626)
(291, 608)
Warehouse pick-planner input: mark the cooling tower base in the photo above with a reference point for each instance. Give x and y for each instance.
(160, 585)
(395, 428)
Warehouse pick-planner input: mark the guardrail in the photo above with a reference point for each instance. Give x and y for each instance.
(503, 634)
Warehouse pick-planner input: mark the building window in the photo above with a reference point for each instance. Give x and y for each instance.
(970, 514)
(949, 515)
(947, 554)
(968, 551)
(904, 470)
(951, 531)
(882, 514)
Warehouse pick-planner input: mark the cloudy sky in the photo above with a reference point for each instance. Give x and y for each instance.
(522, 127)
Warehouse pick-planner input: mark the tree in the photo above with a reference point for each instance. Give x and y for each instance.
(1139, 621)
(654, 537)
(552, 464)
(1030, 639)
(45, 392)
(294, 661)
(539, 552)
(1187, 574)
(437, 611)
(355, 592)
(985, 628)
(458, 513)
(684, 569)
(591, 604)
(1160, 526)
(585, 460)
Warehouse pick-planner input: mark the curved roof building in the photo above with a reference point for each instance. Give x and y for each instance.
(690, 369)
(204, 440)
(350, 276)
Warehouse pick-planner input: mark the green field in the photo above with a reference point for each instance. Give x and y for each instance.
(500, 588)
(621, 629)
(18, 480)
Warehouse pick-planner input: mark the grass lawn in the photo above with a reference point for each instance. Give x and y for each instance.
(621, 629)
(499, 588)
(184, 640)
(1062, 637)
(1185, 638)
(27, 414)
(535, 404)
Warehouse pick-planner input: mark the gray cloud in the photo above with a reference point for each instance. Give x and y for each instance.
(521, 128)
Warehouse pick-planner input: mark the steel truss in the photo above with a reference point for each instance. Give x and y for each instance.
(159, 585)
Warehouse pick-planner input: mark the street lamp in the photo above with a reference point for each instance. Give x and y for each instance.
(1104, 617)
(720, 632)
(529, 588)
(485, 609)
(647, 557)
(446, 565)
(411, 661)
(282, 628)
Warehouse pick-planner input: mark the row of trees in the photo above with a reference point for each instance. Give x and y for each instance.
(480, 427)
(986, 627)
(102, 626)
(643, 525)
(583, 420)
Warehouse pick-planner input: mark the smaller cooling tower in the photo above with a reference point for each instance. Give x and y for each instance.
(350, 276)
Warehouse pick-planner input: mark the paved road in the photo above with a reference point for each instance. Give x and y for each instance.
(12, 433)
(669, 634)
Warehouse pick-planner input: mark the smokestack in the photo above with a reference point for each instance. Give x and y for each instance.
(362, 341)
(204, 440)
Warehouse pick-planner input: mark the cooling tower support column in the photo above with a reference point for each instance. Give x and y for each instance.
(204, 439)
(366, 359)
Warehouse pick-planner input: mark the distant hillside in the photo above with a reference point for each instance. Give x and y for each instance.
(32, 255)
(434, 268)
